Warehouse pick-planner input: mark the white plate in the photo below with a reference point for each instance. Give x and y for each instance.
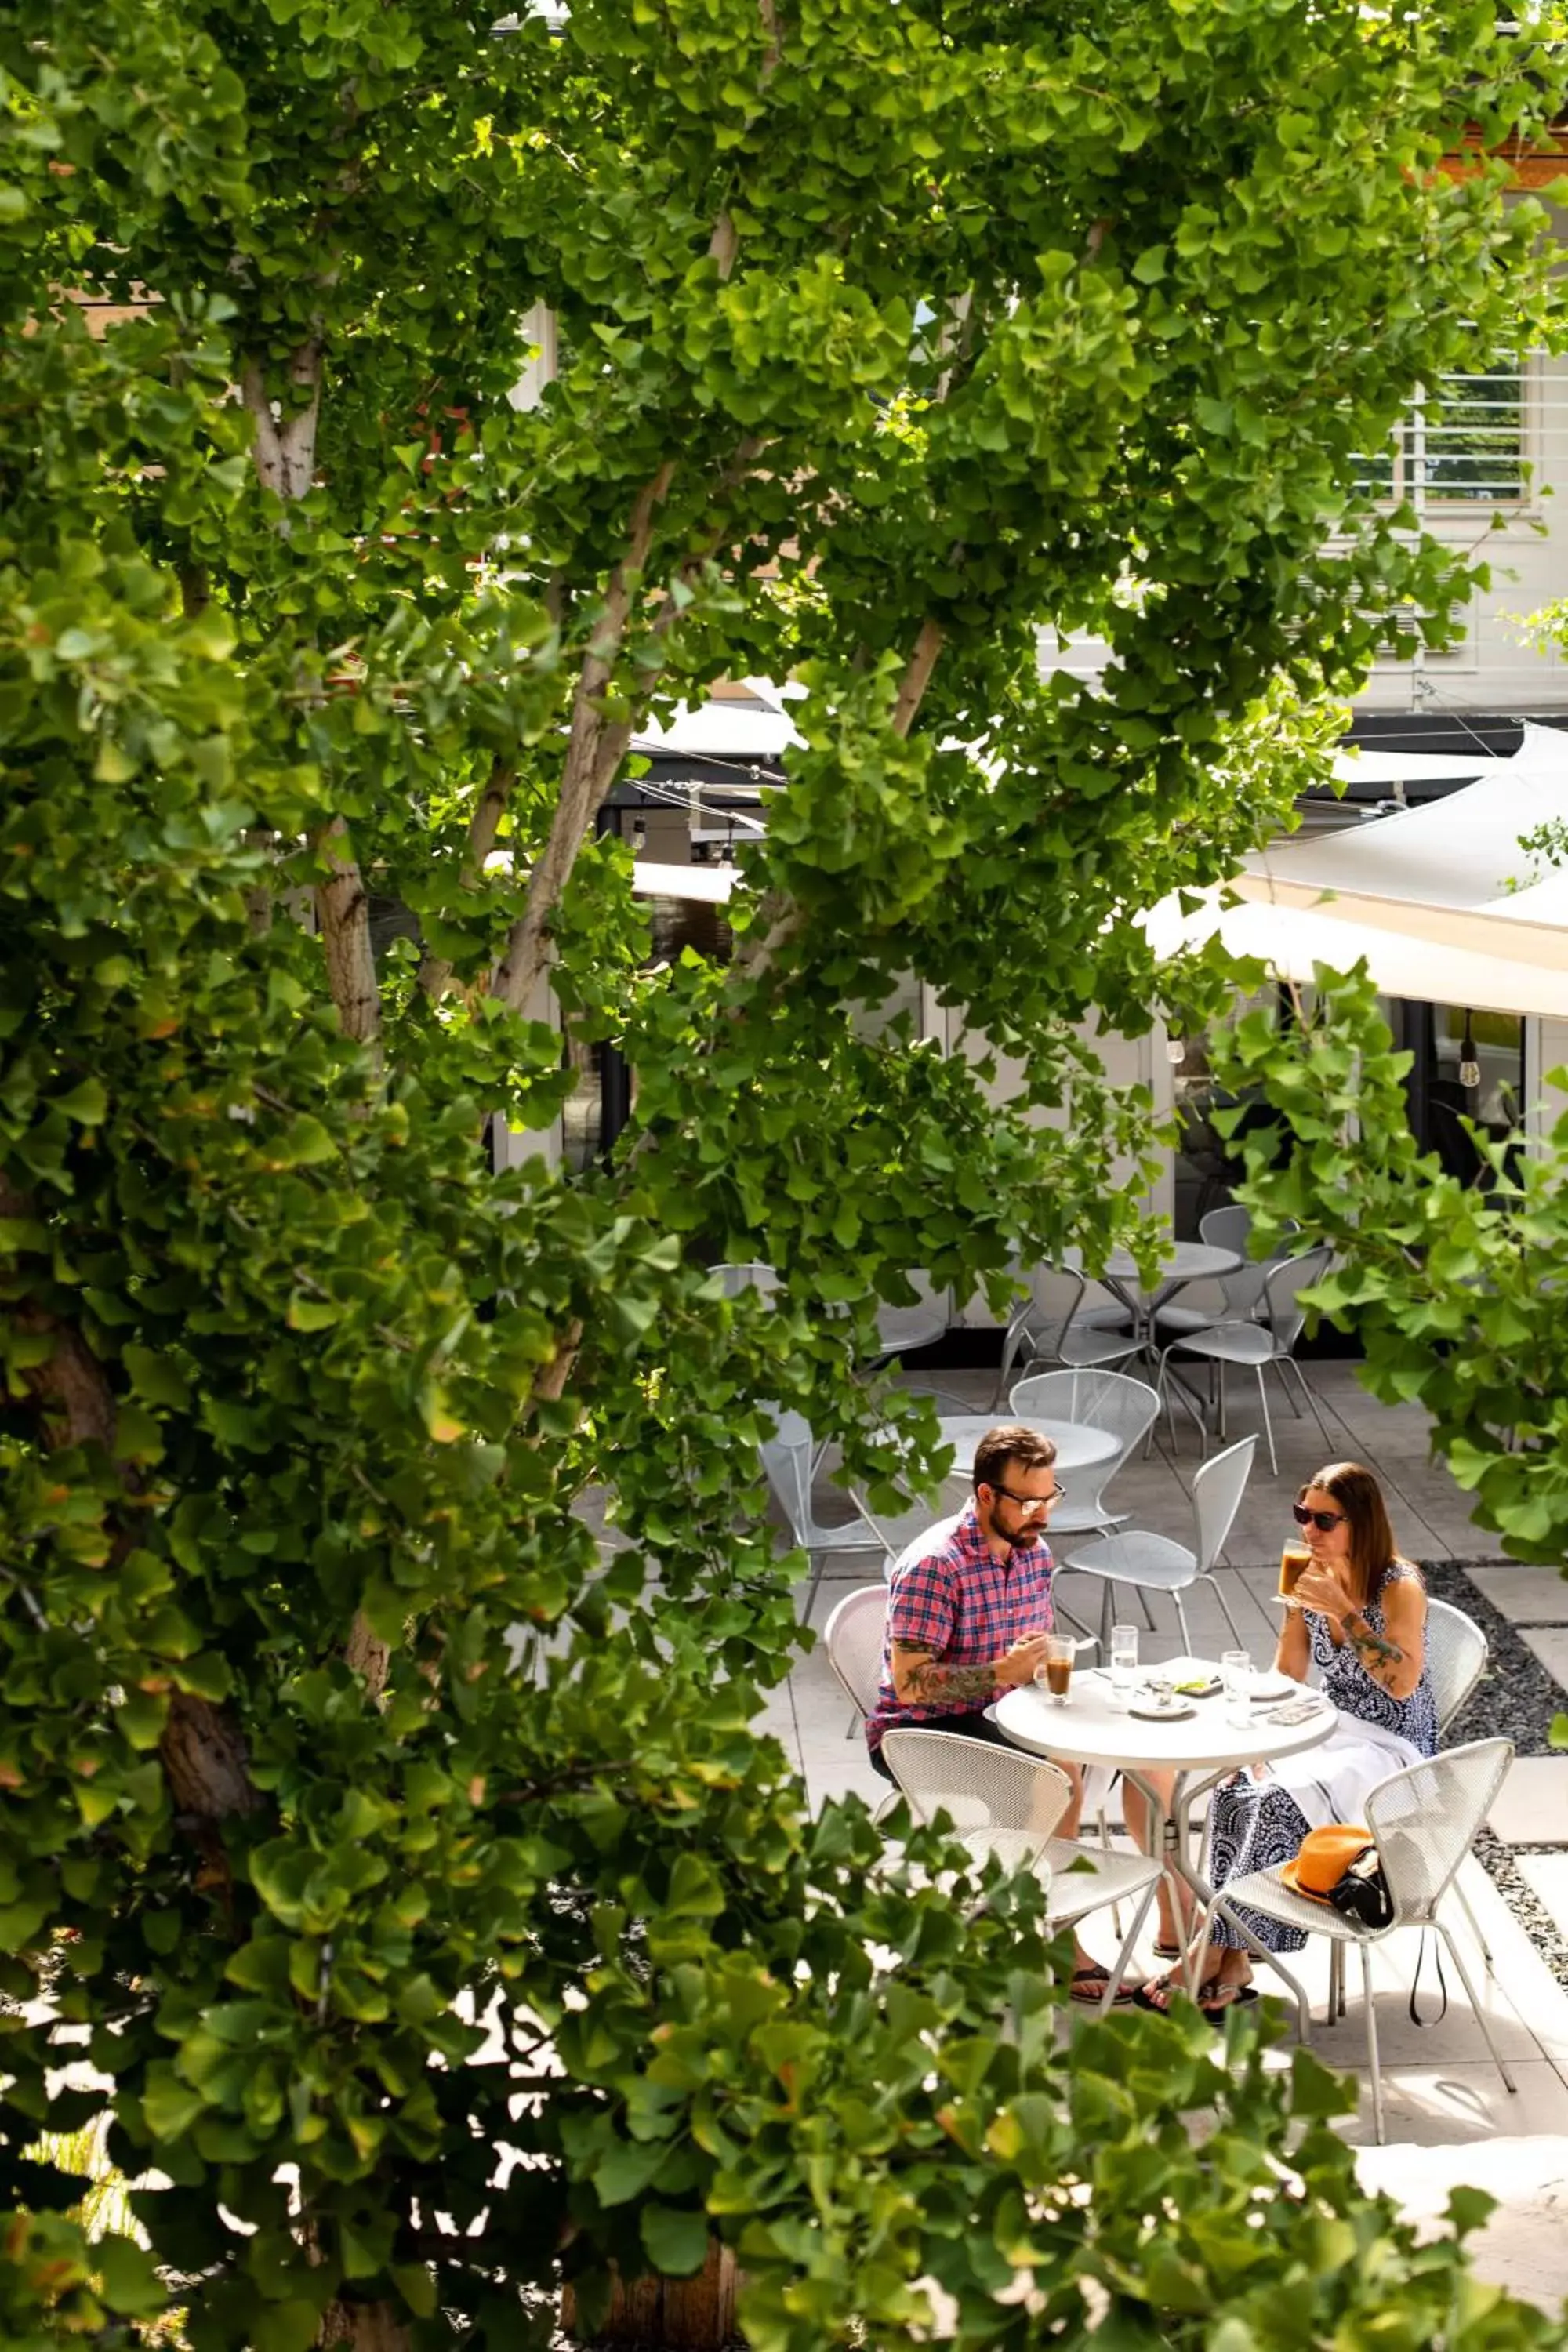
(1148, 1713)
(1271, 1692)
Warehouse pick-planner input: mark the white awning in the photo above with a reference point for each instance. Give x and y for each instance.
(1424, 895)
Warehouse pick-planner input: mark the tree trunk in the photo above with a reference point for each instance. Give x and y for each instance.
(668, 2314)
(363, 2328)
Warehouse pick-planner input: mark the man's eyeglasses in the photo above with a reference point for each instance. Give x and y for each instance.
(1033, 1501)
(1325, 1520)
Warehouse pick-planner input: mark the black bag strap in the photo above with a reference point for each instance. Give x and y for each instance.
(1416, 2016)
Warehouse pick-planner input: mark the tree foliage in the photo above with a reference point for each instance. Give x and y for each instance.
(403, 1869)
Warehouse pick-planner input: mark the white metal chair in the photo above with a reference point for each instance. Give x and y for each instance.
(902, 1329)
(1242, 1290)
(1041, 1330)
(1423, 1822)
(789, 1458)
(1102, 1399)
(853, 1638)
(1004, 1805)
(1257, 1345)
(898, 1530)
(1456, 1652)
(1155, 1563)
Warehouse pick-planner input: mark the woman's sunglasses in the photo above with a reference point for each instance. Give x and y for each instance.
(1325, 1520)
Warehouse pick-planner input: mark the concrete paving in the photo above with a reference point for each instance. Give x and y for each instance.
(1450, 2118)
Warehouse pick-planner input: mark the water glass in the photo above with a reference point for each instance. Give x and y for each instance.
(1235, 1674)
(1124, 1665)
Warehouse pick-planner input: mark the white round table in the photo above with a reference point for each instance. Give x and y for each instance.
(1201, 1748)
(1079, 1443)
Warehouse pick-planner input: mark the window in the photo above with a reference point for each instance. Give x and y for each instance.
(1464, 449)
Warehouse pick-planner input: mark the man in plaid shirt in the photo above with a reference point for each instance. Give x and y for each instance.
(970, 1602)
(969, 1608)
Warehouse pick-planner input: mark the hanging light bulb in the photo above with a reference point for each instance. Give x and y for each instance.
(1176, 1051)
(1469, 1068)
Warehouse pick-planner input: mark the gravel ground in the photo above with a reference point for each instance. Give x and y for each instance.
(1517, 1697)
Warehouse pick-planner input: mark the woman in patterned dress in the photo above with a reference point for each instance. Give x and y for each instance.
(1359, 1614)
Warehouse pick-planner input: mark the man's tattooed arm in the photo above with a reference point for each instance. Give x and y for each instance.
(921, 1680)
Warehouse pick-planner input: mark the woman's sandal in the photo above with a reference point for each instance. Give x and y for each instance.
(1214, 1997)
(1088, 1985)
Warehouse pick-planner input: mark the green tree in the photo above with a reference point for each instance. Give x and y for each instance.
(408, 1872)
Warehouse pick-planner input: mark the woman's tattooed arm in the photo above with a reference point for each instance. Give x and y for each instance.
(1377, 1654)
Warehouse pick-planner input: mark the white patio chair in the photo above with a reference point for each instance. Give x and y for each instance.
(902, 1329)
(1242, 1290)
(1455, 1657)
(898, 1529)
(1423, 1822)
(1153, 1563)
(1041, 1330)
(1100, 1399)
(1004, 1805)
(853, 1638)
(1256, 1346)
(790, 1458)
(1456, 1652)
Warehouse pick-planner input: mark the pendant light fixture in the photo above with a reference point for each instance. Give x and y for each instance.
(1469, 1068)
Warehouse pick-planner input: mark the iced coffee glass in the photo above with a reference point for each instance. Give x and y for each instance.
(1292, 1561)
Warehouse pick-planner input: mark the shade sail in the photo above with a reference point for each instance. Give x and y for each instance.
(1424, 895)
(1458, 853)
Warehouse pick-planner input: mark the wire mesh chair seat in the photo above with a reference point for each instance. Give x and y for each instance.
(1003, 1806)
(1423, 1822)
(1100, 1399)
(1156, 1563)
(1256, 1346)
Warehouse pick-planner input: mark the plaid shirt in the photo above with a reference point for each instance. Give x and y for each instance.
(949, 1595)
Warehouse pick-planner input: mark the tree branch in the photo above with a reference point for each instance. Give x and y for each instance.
(550, 1381)
(594, 752)
(435, 972)
(916, 676)
(343, 910)
(364, 1652)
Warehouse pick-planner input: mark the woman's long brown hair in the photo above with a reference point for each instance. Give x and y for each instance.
(1360, 1497)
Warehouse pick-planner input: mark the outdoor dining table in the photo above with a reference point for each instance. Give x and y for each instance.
(1179, 1263)
(1079, 1444)
(1201, 1749)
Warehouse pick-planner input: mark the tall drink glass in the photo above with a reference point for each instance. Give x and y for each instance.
(1124, 1665)
(1292, 1561)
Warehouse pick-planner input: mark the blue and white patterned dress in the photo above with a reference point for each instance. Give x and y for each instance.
(1258, 1823)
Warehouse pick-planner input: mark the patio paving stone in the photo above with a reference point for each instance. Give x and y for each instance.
(1547, 1873)
(1530, 1596)
(1550, 1644)
(1532, 1807)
